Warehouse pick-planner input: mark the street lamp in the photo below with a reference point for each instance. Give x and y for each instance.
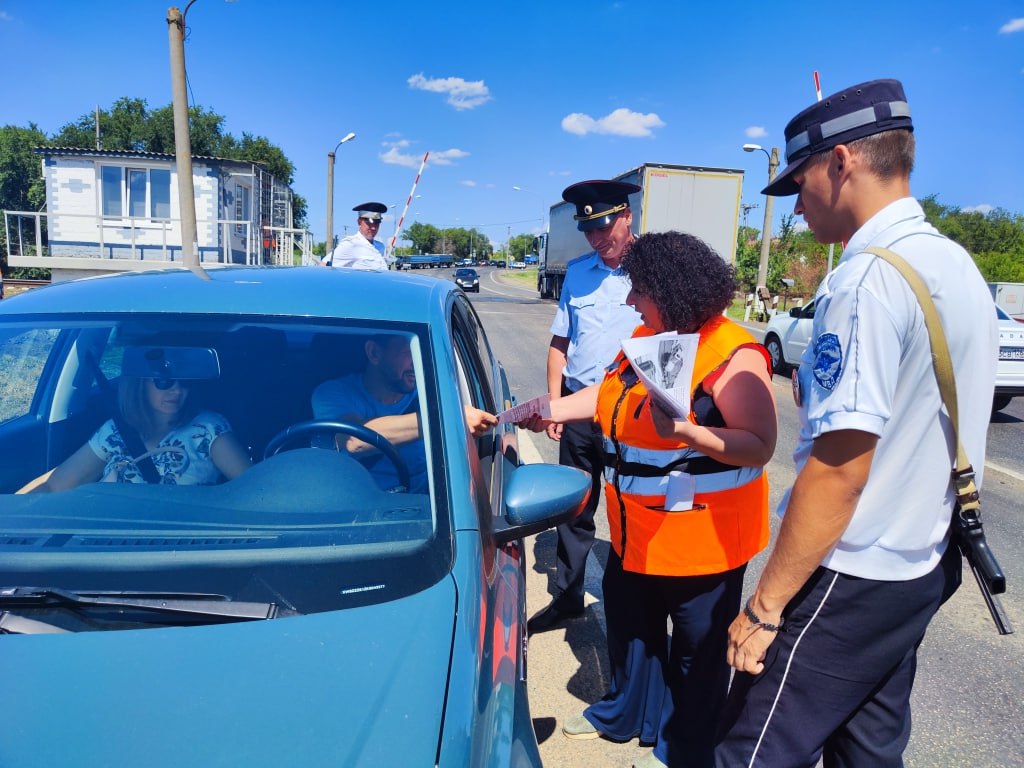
(766, 232)
(329, 244)
(529, 192)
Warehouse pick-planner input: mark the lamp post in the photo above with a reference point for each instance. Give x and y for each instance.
(541, 199)
(329, 244)
(766, 232)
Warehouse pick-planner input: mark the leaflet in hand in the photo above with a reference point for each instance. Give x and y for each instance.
(664, 363)
(538, 406)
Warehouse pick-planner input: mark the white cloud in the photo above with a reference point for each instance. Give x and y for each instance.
(461, 93)
(5, 16)
(394, 156)
(983, 208)
(621, 122)
(446, 156)
(755, 132)
(1013, 25)
(468, 183)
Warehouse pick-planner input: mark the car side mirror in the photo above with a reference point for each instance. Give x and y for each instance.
(538, 497)
(796, 311)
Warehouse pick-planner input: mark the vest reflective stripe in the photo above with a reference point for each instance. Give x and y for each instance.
(655, 486)
(728, 523)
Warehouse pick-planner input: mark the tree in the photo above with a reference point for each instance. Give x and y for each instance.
(994, 239)
(21, 183)
(520, 245)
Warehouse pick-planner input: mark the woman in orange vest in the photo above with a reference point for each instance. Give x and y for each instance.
(687, 505)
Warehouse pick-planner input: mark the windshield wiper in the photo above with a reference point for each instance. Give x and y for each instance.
(195, 604)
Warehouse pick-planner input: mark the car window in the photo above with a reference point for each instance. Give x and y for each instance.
(299, 509)
(23, 353)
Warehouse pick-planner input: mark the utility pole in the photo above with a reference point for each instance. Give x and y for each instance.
(182, 138)
(766, 232)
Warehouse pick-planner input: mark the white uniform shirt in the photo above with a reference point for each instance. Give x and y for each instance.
(356, 252)
(869, 368)
(594, 316)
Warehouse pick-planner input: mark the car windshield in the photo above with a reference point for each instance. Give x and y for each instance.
(307, 526)
(465, 273)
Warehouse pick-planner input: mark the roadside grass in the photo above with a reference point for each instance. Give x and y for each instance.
(524, 277)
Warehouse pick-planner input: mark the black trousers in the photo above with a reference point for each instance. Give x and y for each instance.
(581, 447)
(836, 684)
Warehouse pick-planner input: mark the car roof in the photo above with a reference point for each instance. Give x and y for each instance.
(272, 291)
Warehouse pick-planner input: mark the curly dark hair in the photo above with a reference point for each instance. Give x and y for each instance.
(682, 275)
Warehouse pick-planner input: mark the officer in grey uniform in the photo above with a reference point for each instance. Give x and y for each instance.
(591, 321)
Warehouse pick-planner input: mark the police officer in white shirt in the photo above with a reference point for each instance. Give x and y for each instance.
(361, 250)
(825, 647)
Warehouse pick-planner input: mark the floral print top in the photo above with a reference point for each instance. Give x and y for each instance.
(182, 457)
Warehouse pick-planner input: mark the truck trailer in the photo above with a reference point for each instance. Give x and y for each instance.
(698, 200)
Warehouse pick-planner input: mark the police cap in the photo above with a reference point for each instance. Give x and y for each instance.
(371, 211)
(853, 113)
(598, 202)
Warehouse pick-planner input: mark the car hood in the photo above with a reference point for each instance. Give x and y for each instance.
(364, 686)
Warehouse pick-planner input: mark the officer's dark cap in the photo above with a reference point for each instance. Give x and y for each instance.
(371, 211)
(598, 202)
(853, 113)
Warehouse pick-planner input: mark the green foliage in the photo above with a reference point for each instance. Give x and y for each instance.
(21, 183)
(131, 125)
(519, 246)
(994, 239)
(459, 242)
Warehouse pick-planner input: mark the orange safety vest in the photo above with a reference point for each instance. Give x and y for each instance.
(728, 523)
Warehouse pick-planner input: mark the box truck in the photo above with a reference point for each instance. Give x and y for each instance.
(699, 200)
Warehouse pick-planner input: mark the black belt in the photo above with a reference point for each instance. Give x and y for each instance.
(698, 465)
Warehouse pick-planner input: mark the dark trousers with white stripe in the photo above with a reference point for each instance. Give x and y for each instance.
(836, 684)
(581, 447)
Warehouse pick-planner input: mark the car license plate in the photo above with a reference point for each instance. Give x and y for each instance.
(1011, 353)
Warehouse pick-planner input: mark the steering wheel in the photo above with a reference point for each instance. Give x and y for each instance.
(367, 435)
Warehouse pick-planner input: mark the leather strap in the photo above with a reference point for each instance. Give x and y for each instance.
(963, 473)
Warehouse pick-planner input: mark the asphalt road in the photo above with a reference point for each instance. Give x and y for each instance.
(967, 702)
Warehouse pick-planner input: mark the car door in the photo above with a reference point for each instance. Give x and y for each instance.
(798, 336)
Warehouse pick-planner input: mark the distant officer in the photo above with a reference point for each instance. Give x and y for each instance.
(591, 321)
(361, 250)
(826, 646)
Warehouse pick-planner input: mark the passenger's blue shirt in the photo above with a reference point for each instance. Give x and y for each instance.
(347, 395)
(593, 315)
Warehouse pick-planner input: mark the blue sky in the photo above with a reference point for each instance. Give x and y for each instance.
(536, 94)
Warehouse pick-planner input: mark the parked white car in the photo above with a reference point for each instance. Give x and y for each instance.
(517, 265)
(788, 334)
(1010, 371)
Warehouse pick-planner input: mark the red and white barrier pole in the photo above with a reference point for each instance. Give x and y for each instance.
(398, 227)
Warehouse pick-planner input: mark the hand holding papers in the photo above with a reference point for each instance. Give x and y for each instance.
(664, 363)
(538, 406)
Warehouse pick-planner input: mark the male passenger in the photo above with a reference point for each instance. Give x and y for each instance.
(825, 648)
(591, 321)
(384, 398)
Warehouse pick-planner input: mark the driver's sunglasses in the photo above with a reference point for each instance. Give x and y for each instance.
(165, 384)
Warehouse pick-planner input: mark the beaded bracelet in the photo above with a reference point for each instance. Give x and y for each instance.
(755, 621)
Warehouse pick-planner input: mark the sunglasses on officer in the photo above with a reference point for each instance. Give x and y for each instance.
(371, 222)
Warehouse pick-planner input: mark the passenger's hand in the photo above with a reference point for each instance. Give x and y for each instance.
(478, 421)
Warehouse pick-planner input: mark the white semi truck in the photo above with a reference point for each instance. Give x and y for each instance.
(702, 201)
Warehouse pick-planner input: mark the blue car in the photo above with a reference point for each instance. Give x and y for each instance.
(349, 599)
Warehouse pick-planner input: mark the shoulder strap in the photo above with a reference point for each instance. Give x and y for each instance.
(133, 442)
(963, 473)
